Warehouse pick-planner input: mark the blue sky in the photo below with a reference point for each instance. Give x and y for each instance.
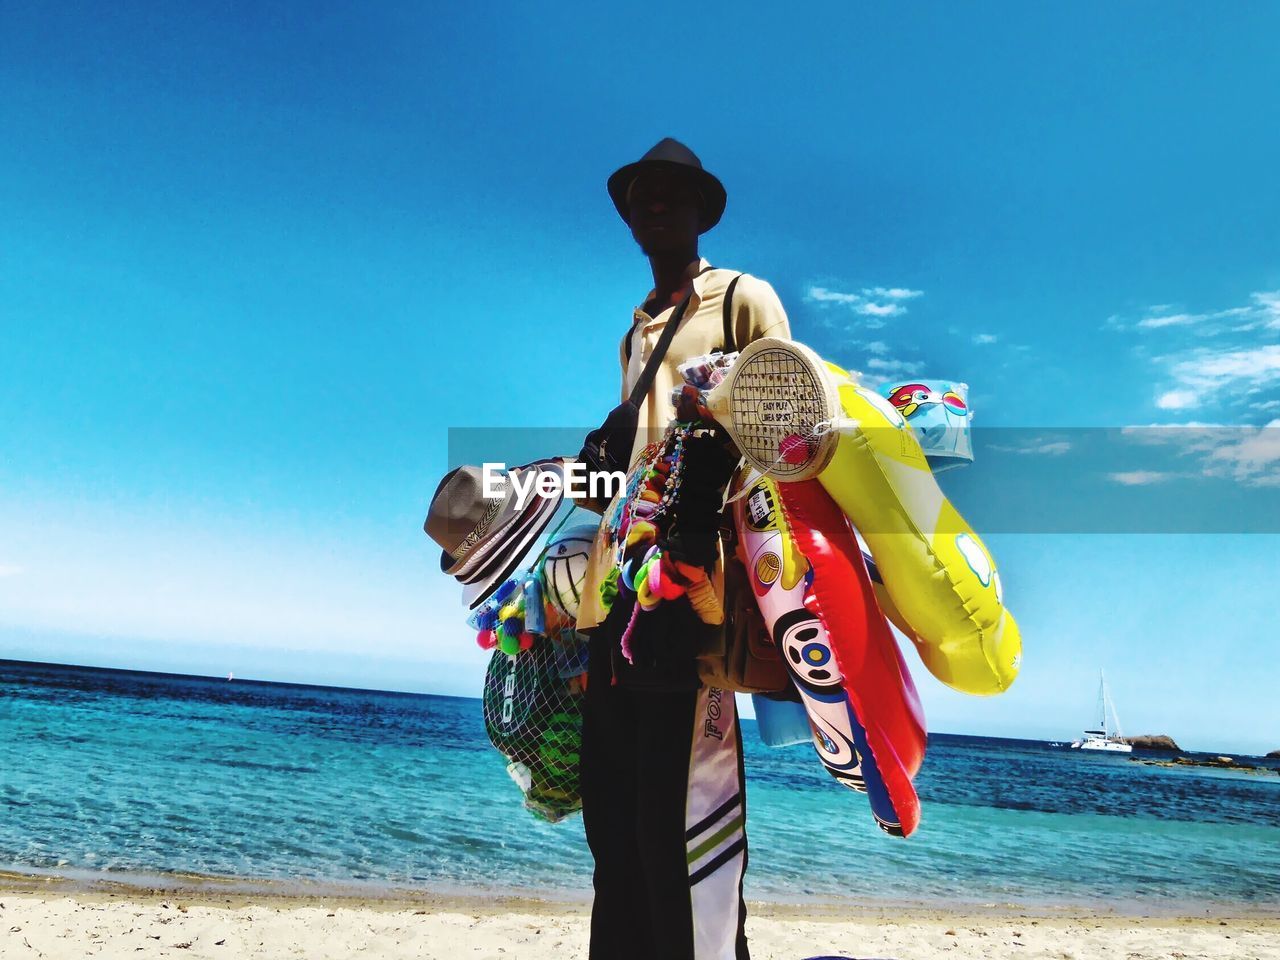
(258, 260)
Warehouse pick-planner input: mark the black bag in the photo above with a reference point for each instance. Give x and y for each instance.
(608, 447)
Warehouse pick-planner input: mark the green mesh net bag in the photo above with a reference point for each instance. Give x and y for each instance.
(533, 715)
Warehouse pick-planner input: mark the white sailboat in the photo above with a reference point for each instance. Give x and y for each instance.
(1105, 738)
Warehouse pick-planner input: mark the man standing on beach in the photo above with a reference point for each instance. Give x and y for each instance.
(664, 802)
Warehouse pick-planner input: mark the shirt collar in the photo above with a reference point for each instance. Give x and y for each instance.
(697, 272)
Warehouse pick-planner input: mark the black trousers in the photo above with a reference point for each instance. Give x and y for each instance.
(664, 808)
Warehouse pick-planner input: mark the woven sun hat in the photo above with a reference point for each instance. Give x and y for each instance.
(505, 557)
(461, 518)
(469, 526)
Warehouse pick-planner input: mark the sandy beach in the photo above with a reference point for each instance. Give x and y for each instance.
(42, 917)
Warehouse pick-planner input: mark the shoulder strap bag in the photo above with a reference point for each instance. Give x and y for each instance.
(608, 447)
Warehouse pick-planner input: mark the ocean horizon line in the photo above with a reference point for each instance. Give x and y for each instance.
(135, 671)
(296, 684)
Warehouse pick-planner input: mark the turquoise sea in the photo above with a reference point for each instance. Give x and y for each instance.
(124, 774)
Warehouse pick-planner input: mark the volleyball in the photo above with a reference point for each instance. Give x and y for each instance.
(565, 567)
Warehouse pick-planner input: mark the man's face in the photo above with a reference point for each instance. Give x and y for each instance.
(666, 212)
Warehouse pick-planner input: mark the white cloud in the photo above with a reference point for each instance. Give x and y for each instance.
(892, 293)
(1248, 455)
(1054, 448)
(1140, 478)
(1268, 301)
(880, 309)
(1211, 371)
(873, 303)
(1262, 310)
(1226, 358)
(1157, 317)
(1193, 431)
(1042, 446)
(1173, 320)
(983, 339)
(877, 347)
(1177, 399)
(1251, 457)
(894, 367)
(823, 295)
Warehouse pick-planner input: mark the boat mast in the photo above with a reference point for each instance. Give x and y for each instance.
(1102, 703)
(1110, 703)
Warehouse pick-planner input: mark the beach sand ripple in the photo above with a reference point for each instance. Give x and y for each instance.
(36, 924)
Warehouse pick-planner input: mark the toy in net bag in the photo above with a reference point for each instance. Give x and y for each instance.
(533, 716)
(533, 689)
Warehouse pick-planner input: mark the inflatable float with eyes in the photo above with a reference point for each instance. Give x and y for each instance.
(816, 598)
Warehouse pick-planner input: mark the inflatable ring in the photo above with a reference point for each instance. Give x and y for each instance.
(945, 588)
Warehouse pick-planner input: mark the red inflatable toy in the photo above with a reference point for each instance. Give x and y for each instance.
(876, 680)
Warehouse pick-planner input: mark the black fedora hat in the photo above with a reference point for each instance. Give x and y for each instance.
(673, 156)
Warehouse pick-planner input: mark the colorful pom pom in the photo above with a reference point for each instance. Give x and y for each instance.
(627, 578)
(654, 576)
(671, 588)
(526, 640)
(486, 640)
(609, 588)
(641, 576)
(513, 626)
(509, 612)
(644, 598)
(642, 531)
(508, 644)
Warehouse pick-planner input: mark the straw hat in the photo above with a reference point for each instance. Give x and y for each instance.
(483, 539)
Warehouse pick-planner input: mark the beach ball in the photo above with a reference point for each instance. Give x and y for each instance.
(565, 567)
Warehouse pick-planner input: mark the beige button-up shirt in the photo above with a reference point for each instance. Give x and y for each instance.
(757, 312)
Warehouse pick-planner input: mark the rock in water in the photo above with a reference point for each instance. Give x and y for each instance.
(1274, 755)
(1153, 741)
